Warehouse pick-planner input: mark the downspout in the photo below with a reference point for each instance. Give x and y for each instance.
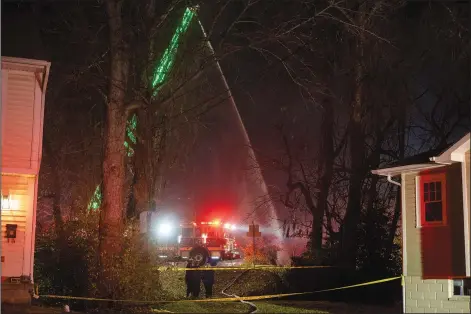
(392, 181)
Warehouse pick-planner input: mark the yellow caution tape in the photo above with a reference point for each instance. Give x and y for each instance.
(251, 298)
(262, 267)
(275, 296)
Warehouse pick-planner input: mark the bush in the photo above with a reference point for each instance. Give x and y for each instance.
(265, 252)
(259, 282)
(66, 263)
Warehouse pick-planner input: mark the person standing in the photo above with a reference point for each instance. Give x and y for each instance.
(208, 279)
(187, 278)
(192, 280)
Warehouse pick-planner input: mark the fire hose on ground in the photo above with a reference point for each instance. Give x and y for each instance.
(253, 307)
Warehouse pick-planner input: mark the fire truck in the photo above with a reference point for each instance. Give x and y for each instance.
(199, 241)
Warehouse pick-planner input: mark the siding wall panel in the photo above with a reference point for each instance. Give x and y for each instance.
(19, 188)
(18, 99)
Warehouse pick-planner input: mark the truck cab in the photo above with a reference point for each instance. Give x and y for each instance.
(211, 239)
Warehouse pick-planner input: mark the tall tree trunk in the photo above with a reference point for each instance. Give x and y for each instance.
(370, 227)
(397, 207)
(56, 201)
(111, 217)
(57, 188)
(374, 161)
(145, 160)
(356, 148)
(143, 163)
(326, 164)
(395, 220)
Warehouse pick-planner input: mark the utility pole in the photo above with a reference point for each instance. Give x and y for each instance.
(254, 233)
(253, 243)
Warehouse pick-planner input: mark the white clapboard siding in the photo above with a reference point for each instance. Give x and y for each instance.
(19, 188)
(18, 99)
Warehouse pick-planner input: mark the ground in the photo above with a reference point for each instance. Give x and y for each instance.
(237, 307)
(10, 309)
(251, 283)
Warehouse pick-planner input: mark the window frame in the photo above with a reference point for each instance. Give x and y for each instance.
(428, 178)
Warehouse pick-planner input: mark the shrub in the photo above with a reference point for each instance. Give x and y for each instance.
(265, 252)
(66, 263)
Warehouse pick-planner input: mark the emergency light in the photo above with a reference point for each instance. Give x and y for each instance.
(165, 229)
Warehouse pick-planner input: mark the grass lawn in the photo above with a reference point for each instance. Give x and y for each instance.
(200, 307)
(232, 307)
(276, 307)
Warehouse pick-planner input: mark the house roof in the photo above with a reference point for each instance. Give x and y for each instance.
(39, 67)
(421, 158)
(455, 152)
(434, 158)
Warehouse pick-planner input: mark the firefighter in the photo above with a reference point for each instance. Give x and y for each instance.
(188, 278)
(192, 280)
(208, 279)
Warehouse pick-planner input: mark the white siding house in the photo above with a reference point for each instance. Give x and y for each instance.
(436, 229)
(24, 84)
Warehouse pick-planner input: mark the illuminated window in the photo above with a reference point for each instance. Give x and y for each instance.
(433, 199)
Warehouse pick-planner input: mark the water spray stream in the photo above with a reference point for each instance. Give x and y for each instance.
(274, 222)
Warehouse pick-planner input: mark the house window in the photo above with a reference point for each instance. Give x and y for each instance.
(433, 201)
(462, 286)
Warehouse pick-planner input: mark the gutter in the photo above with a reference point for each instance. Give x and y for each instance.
(437, 160)
(392, 181)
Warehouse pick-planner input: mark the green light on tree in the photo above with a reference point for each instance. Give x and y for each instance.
(95, 202)
(159, 76)
(131, 126)
(161, 72)
(168, 58)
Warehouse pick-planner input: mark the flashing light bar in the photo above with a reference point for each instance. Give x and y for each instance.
(216, 222)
